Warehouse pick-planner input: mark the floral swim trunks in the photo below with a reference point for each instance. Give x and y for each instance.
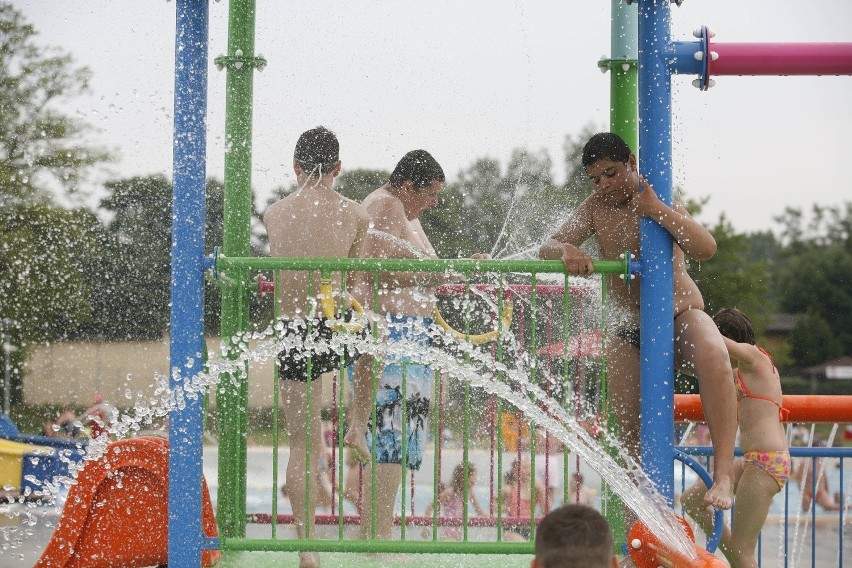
(417, 389)
(774, 462)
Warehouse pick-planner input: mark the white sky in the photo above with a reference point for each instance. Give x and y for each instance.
(469, 79)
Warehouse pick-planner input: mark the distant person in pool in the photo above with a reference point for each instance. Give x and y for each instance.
(574, 536)
(314, 221)
(611, 214)
(765, 467)
(809, 470)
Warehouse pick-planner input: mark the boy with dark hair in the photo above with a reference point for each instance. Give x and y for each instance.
(314, 221)
(620, 199)
(574, 536)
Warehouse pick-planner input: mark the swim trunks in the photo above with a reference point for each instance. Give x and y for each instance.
(418, 394)
(774, 462)
(325, 357)
(629, 334)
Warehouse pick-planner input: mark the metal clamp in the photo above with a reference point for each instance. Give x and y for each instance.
(605, 64)
(238, 60)
(704, 55)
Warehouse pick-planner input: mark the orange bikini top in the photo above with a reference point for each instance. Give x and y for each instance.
(743, 392)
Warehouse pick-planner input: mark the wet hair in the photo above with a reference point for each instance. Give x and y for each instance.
(418, 167)
(734, 324)
(317, 151)
(573, 536)
(605, 146)
(458, 480)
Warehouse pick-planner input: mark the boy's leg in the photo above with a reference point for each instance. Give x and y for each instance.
(388, 480)
(363, 401)
(299, 426)
(702, 353)
(624, 401)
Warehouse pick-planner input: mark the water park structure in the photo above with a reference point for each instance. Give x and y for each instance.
(642, 64)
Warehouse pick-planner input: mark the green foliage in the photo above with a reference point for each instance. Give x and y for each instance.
(729, 279)
(814, 276)
(813, 341)
(358, 184)
(40, 148)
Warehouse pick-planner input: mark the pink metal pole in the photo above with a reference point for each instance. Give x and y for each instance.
(781, 59)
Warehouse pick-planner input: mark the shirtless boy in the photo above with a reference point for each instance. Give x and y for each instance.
(405, 303)
(315, 221)
(620, 198)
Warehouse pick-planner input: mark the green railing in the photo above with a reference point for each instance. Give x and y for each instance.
(501, 276)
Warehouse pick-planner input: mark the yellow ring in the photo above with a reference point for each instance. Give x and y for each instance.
(480, 339)
(326, 298)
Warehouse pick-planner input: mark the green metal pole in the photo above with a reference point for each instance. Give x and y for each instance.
(232, 398)
(624, 112)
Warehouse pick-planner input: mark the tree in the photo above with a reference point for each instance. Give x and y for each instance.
(44, 291)
(132, 291)
(815, 274)
(730, 279)
(813, 341)
(40, 148)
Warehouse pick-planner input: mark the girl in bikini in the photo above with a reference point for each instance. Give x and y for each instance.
(765, 467)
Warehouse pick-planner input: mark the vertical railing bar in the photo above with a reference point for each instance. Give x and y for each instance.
(499, 410)
(276, 382)
(404, 461)
(337, 484)
(309, 404)
(566, 332)
(436, 437)
(549, 391)
(814, 475)
(466, 427)
(840, 514)
(786, 525)
(533, 380)
(374, 422)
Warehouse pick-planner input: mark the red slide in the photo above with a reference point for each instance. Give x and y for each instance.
(116, 514)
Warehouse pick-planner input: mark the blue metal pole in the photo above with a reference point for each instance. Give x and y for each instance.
(187, 285)
(656, 318)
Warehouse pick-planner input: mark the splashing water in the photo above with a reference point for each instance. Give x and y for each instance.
(463, 362)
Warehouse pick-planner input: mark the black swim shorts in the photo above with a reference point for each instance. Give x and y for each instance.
(293, 362)
(629, 334)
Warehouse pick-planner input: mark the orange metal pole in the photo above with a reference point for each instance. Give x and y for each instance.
(803, 408)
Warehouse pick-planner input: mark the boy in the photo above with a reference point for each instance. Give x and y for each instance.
(574, 536)
(314, 221)
(621, 197)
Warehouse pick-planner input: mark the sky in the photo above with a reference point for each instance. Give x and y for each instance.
(466, 80)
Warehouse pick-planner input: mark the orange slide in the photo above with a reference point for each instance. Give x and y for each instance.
(116, 514)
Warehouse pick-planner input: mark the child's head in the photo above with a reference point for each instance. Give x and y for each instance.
(611, 167)
(605, 146)
(317, 152)
(458, 480)
(574, 536)
(735, 325)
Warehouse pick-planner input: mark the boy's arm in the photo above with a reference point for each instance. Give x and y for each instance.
(691, 236)
(564, 244)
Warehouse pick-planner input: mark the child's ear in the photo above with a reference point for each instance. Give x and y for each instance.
(534, 563)
(631, 162)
